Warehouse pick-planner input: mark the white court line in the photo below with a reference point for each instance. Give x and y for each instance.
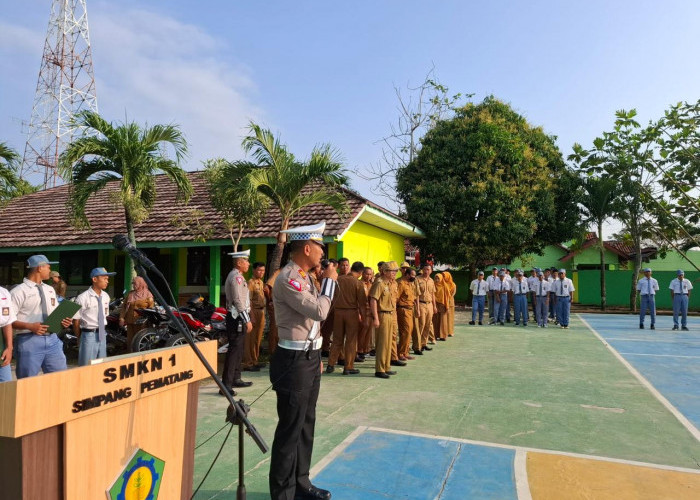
(336, 451)
(681, 418)
(657, 340)
(522, 486)
(659, 355)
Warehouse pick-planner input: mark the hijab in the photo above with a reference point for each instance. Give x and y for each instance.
(441, 290)
(139, 290)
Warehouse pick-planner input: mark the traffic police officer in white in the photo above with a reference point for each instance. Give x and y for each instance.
(90, 321)
(564, 290)
(520, 292)
(647, 288)
(7, 316)
(479, 288)
(238, 323)
(541, 291)
(296, 366)
(680, 294)
(35, 347)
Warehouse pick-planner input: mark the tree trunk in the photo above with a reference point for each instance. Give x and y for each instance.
(601, 248)
(132, 238)
(635, 274)
(276, 259)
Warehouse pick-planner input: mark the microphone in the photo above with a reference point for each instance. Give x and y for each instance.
(121, 242)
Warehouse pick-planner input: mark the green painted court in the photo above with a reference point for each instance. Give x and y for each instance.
(490, 402)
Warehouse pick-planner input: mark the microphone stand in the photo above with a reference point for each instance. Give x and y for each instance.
(237, 411)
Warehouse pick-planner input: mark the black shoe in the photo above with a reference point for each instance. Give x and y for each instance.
(232, 392)
(517, 324)
(507, 321)
(254, 368)
(351, 371)
(417, 352)
(325, 354)
(641, 327)
(241, 383)
(426, 348)
(397, 362)
(359, 359)
(652, 327)
(372, 352)
(524, 324)
(442, 340)
(502, 323)
(381, 375)
(481, 322)
(312, 493)
(471, 322)
(675, 327)
(685, 328)
(330, 369)
(390, 372)
(341, 362)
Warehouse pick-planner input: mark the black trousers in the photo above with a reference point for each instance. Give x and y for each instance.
(236, 332)
(296, 379)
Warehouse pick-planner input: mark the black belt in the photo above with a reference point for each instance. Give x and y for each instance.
(521, 294)
(406, 307)
(385, 312)
(424, 302)
(88, 330)
(681, 294)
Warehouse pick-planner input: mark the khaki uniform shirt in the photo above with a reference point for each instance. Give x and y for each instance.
(383, 293)
(299, 307)
(257, 293)
(237, 296)
(407, 293)
(351, 293)
(426, 289)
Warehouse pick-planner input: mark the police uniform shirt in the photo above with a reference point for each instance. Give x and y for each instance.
(7, 314)
(647, 286)
(519, 287)
(237, 296)
(89, 309)
(563, 287)
(257, 293)
(681, 287)
(479, 288)
(299, 307)
(27, 302)
(502, 286)
(544, 290)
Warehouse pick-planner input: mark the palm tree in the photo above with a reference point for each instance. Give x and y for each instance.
(275, 173)
(11, 186)
(128, 154)
(600, 202)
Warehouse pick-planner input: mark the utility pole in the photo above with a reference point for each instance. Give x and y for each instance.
(66, 86)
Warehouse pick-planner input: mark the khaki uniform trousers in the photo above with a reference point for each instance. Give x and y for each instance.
(415, 337)
(451, 320)
(327, 330)
(394, 338)
(345, 328)
(425, 322)
(251, 346)
(440, 321)
(272, 337)
(405, 321)
(363, 338)
(383, 334)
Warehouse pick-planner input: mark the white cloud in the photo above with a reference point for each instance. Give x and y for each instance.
(151, 68)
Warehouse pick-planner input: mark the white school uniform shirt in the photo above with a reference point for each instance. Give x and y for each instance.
(491, 280)
(88, 309)
(546, 288)
(563, 287)
(7, 309)
(519, 287)
(532, 281)
(647, 286)
(681, 287)
(27, 302)
(501, 286)
(482, 286)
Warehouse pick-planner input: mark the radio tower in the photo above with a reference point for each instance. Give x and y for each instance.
(66, 86)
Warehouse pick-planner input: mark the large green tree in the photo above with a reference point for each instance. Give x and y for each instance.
(127, 154)
(278, 175)
(488, 186)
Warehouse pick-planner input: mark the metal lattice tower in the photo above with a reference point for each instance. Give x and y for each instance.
(66, 86)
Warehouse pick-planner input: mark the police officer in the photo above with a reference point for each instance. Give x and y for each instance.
(541, 291)
(680, 294)
(296, 366)
(238, 323)
(647, 288)
(564, 290)
(90, 321)
(479, 288)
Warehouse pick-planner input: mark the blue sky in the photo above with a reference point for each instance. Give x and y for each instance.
(320, 71)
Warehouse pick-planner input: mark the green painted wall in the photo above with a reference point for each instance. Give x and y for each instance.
(550, 257)
(371, 244)
(618, 285)
(674, 261)
(215, 275)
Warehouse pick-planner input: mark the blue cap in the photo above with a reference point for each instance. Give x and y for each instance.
(646, 270)
(39, 260)
(100, 271)
(480, 273)
(562, 271)
(680, 272)
(540, 273)
(501, 273)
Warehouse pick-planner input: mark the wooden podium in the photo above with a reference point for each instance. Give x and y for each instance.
(125, 424)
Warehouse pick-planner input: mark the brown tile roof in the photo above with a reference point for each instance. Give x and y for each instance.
(41, 219)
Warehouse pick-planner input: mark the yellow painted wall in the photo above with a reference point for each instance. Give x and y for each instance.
(371, 244)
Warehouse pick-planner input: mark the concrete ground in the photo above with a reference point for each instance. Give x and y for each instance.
(494, 412)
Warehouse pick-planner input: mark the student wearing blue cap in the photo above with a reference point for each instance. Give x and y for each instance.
(564, 290)
(35, 347)
(680, 294)
(90, 321)
(647, 288)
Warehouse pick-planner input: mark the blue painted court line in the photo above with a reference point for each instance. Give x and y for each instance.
(380, 466)
(669, 360)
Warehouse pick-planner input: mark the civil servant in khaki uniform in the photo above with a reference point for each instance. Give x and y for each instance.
(406, 304)
(296, 366)
(426, 299)
(251, 349)
(382, 303)
(238, 323)
(349, 308)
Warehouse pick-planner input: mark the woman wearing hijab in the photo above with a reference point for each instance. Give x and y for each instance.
(442, 299)
(140, 297)
(452, 287)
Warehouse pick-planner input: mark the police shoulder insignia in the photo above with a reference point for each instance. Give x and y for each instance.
(140, 479)
(296, 285)
(302, 273)
(239, 279)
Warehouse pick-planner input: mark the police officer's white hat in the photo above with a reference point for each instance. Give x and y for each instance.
(243, 254)
(305, 233)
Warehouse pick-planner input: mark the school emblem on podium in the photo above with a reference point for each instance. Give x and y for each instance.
(140, 479)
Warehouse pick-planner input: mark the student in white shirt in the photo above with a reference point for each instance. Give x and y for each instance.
(89, 323)
(479, 288)
(647, 288)
(680, 293)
